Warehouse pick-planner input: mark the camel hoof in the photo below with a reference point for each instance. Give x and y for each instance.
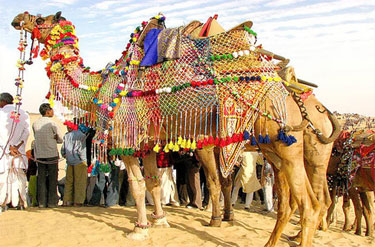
(346, 229)
(215, 222)
(138, 234)
(358, 233)
(160, 223)
(228, 217)
(296, 238)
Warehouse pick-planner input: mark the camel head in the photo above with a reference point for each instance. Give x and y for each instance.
(42, 25)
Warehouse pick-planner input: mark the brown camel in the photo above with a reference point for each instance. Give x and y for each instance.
(317, 147)
(354, 181)
(288, 159)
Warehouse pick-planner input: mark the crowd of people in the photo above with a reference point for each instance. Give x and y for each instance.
(31, 178)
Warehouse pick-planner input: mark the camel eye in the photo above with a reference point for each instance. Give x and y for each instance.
(40, 21)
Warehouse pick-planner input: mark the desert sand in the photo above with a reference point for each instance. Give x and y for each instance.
(97, 226)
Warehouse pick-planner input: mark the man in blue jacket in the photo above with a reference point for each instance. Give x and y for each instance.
(74, 150)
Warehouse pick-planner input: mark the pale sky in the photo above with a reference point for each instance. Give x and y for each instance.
(330, 43)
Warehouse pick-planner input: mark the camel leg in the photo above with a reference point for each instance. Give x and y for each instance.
(152, 176)
(346, 210)
(283, 209)
(304, 196)
(137, 188)
(226, 188)
(357, 209)
(316, 162)
(207, 158)
(320, 189)
(331, 208)
(367, 213)
(327, 203)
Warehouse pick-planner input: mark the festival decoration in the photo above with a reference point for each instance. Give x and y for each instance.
(204, 92)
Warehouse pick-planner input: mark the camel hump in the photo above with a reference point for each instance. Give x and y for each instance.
(152, 24)
(198, 30)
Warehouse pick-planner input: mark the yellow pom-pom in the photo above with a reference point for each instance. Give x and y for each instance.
(170, 145)
(183, 143)
(123, 93)
(179, 140)
(156, 148)
(277, 79)
(166, 149)
(100, 102)
(116, 100)
(264, 78)
(188, 144)
(194, 145)
(134, 39)
(176, 147)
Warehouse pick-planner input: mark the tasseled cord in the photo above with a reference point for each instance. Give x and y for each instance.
(288, 140)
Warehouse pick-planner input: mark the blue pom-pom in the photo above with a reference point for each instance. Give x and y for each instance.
(293, 139)
(267, 139)
(281, 136)
(260, 139)
(288, 141)
(253, 141)
(246, 135)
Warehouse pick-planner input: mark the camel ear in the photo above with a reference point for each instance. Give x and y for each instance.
(57, 17)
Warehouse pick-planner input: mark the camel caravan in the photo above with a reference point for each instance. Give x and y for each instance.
(198, 89)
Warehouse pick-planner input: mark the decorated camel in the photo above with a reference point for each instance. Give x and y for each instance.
(351, 173)
(184, 88)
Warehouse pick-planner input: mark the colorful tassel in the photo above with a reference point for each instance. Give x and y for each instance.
(217, 141)
(253, 141)
(260, 139)
(193, 145)
(156, 148)
(267, 139)
(199, 144)
(246, 135)
(211, 140)
(205, 142)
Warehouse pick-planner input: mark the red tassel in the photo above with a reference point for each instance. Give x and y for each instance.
(205, 142)
(217, 142)
(222, 142)
(240, 137)
(228, 140)
(210, 140)
(199, 144)
(235, 138)
(35, 34)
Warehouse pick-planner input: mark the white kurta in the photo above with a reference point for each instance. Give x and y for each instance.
(12, 177)
(247, 173)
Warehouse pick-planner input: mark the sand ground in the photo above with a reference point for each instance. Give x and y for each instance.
(97, 226)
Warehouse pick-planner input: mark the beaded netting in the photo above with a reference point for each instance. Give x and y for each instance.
(210, 96)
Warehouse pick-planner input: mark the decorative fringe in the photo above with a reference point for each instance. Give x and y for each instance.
(260, 139)
(253, 141)
(246, 135)
(267, 139)
(288, 140)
